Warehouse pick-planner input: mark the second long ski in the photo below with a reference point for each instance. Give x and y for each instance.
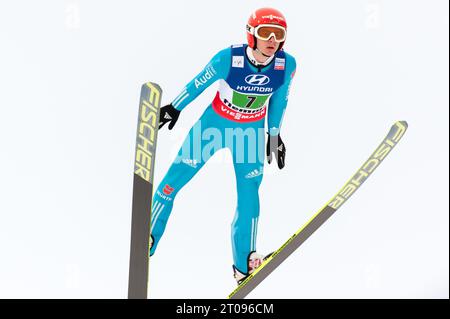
(390, 141)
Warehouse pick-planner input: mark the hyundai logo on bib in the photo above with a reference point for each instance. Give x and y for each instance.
(257, 79)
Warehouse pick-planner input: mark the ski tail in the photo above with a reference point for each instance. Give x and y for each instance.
(146, 138)
(350, 187)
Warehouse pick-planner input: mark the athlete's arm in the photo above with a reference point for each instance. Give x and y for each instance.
(277, 107)
(279, 99)
(216, 69)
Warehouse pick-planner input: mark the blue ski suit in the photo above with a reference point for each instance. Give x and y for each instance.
(234, 120)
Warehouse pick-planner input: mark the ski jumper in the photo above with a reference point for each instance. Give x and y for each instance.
(234, 120)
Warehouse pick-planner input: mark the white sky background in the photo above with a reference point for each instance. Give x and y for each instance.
(70, 75)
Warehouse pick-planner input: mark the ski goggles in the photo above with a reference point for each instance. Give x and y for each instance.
(266, 31)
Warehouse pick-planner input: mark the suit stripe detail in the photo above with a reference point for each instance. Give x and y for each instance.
(183, 95)
(157, 213)
(254, 233)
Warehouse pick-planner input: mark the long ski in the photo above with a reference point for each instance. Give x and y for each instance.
(146, 137)
(294, 242)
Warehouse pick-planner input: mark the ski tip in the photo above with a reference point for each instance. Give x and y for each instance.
(402, 123)
(152, 84)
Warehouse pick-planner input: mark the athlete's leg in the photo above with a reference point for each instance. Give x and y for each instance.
(249, 173)
(188, 162)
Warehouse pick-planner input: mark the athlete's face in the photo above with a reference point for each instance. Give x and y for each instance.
(268, 47)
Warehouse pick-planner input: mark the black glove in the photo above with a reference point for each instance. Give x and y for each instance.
(168, 114)
(275, 145)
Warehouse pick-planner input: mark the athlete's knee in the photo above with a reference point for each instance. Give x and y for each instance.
(248, 188)
(165, 192)
(177, 176)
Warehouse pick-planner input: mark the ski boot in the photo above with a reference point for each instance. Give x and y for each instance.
(151, 245)
(254, 261)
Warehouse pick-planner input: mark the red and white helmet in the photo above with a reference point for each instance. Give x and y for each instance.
(263, 17)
